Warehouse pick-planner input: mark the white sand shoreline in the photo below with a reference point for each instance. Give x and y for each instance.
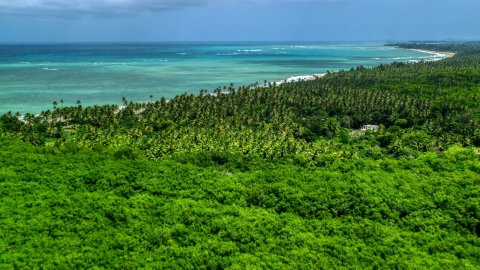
(301, 78)
(437, 55)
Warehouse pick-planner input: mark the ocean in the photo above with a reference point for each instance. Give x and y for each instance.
(33, 76)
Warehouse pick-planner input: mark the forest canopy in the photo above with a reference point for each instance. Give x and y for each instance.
(361, 168)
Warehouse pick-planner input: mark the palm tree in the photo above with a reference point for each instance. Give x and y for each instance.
(79, 103)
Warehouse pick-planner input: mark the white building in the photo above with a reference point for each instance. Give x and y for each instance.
(370, 127)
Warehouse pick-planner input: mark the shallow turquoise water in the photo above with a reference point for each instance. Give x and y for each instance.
(33, 76)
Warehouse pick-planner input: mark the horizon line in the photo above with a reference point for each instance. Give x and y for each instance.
(386, 41)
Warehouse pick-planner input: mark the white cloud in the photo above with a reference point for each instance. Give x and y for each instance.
(79, 8)
(111, 8)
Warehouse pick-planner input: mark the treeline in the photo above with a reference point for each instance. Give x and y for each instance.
(462, 48)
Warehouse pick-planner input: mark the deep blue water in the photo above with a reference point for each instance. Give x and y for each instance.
(32, 76)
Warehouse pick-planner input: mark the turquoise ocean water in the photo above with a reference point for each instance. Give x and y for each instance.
(32, 76)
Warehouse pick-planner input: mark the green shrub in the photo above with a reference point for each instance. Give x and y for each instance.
(127, 153)
(406, 153)
(393, 129)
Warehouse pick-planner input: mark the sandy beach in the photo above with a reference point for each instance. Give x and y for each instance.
(437, 54)
(301, 78)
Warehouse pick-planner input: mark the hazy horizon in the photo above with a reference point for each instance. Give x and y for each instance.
(230, 42)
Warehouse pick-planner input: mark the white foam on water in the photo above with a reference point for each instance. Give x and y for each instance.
(50, 68)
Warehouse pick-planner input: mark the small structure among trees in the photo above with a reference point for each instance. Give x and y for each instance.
(370, 127)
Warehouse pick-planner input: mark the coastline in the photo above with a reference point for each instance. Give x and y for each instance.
(436, 56)
(163, 80)
(435, 53)
(301, 78)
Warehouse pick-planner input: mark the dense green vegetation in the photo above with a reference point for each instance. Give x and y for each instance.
(261, 176)
(462, 48)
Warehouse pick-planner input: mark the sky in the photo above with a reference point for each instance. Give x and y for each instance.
(237, 20)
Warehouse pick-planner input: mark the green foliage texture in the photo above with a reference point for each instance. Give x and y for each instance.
(68, 209)
(263, 176)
